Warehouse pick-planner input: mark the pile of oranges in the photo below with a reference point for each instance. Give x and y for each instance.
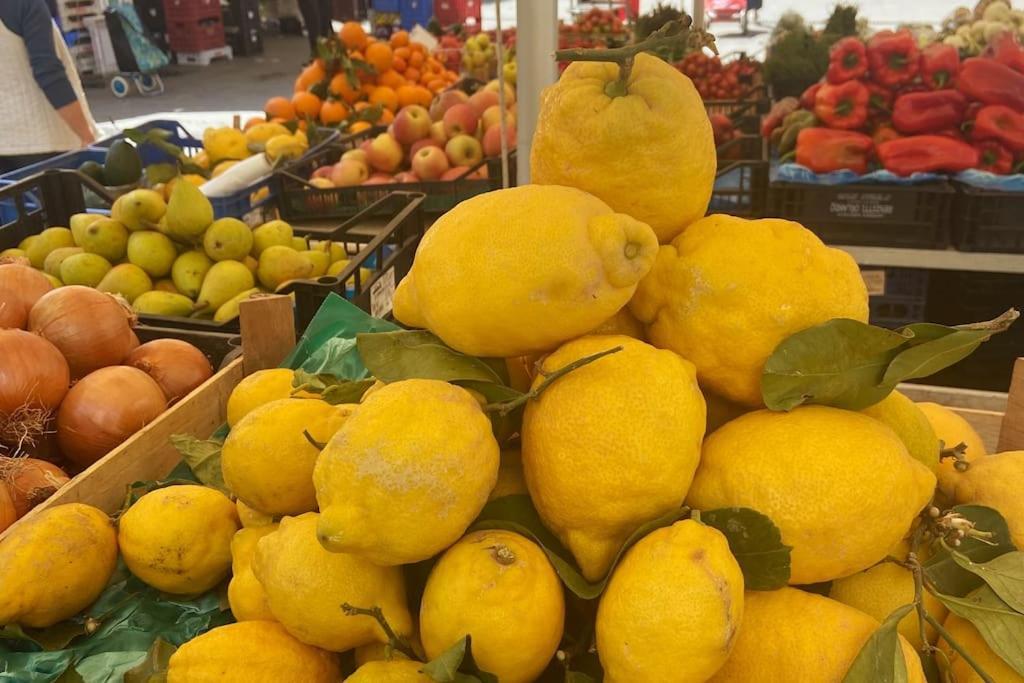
(403, 73)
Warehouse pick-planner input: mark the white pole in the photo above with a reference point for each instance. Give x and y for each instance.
(502, 122)
(536, 42)
(698, 13)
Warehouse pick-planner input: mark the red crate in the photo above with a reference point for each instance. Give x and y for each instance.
(177, 11)
(196, 36)
(450, 12)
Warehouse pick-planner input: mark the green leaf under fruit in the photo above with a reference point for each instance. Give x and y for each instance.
(1004, 575)
(942, 569)
(757, 545)
(1001, 627)
(331, 389)
(160, 173)
(154, 665)
(409, 354)
(456, 665)
(881, 658)
(203, 458)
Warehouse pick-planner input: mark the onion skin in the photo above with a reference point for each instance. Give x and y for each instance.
(92, 329)
(8, 515)
(20, 288)
(105, 408)
(177, 366)
(33, 373)
(29, 481)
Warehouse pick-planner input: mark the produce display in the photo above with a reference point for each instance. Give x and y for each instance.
(973, 31)
(716, 80)
(912, 110)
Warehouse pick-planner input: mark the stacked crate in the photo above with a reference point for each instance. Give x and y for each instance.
(243, 27)
(71, 15)
(194, 27)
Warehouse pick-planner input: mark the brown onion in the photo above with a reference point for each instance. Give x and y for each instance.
(33, 373)
(30, 481)
(92, 329)
(177, 366)
(20, 288)
(8, 515)
(103, 409)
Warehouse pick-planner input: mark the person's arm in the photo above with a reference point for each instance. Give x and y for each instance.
(74, 116)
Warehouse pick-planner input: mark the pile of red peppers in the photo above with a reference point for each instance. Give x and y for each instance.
(910, 110)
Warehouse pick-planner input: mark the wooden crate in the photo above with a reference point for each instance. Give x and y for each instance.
(268, 334)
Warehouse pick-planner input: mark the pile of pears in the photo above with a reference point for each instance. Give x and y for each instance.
(173, 259)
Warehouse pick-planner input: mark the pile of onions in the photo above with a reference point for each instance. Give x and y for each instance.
(177, 366)
(30, 481)
(105, 408)
(33, 373)
(8, 515)
(92, 329)
(20, 288)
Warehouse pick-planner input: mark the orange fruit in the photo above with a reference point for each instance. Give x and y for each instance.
(398, 64)
(386, 97)
(333, 111)
(391, 79)
(340, 87)
(306, 104)
(353, 35)
(279, 108)
(403, 52)
(416, 59)
(360, 126)
(379, 55)
(418, 47)
(423, 96)
(412, 74)
(399, 39)
(254, 121)
(359, 106)
(436, 84)
(407, 95)
(386, 117)
(366, 89)
(311, 75)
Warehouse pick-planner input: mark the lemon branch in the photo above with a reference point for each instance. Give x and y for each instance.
(506, 407)
(959, 455)
(673, 34)
(395, 641)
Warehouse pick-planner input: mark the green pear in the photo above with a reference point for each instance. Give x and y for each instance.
(163, 303)
(229, 310)
(272, 233)
(165, 285)
(188, 272)
(189, 213)
(321, 260)
(56, 257)
(105, 237)
(47, 241)
(80, 221)
(139, 209)
(280, 264)
(252, 264)
(228, 239)
(128, 280)
(55, 281)
(84, 269)
(338, 252)
(223, 281)
(152, 251)
(300, 244)
(13, 253)
(27, 242)
(339, 266)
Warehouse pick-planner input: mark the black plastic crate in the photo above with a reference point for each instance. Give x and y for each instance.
(897, 296)
(988, 220)
(868, 214)
(298, 200)
(746, 111)
(741, 182)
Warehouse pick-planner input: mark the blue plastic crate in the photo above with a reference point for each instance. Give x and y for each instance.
(413, 12)
(386, 5)
(152, 155)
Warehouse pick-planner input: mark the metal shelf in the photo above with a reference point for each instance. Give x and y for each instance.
(936, 259)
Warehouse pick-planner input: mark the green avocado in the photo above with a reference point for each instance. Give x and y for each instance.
(123, 166)
(93, 169)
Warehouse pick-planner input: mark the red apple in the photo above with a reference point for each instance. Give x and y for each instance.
(379, 179)
(464, 150)
(406, 177)
(510, 92)
(437, 133)
(411, 124)
(453, 173)
(322, 172)
(492, 140)
(430, 163)
(445, 101)
(349, 172)
(365, 145)
(356, 154)
(490, 117)
(482, 100)
(385, 154)
(425, 142)
(461, 118)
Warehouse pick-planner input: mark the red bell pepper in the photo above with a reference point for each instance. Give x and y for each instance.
(879, 98)
(940, 65)
(991, 82)
(893, 58)
(1005, 49)
(847, 60)
(807, 97)
(996, 122)
(824, 150)
(926, 153)
(842, 106)
(953, 133)
(926, 112)
(994, 158)
(779, 111)
(884, 133)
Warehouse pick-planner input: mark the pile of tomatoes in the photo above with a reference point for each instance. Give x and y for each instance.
(716, 80)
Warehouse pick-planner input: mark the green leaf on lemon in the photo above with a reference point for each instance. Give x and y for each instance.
(880, 660)
(1000, 626)
(757, 545)
(203, 458)
(1004, 575)
(408, 354)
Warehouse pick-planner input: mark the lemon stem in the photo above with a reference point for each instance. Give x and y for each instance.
(959, 455)
(506, 407)
(319, 445)
(503, 555)
(958, 648)
(396, 641)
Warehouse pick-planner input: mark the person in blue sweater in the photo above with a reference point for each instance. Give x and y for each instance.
(43, 110)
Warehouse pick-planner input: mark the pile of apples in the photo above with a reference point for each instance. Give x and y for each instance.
(440, 144)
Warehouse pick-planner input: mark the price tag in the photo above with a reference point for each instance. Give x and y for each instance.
(875, 281)
(382, 294)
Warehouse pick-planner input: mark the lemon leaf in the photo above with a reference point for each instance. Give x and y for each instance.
(881, 658)
(943, 569)
(203, 458)
(409, 354)
(155, 664)
(456, 665)
(1001, 627)
(1004, 575)
(757, 545)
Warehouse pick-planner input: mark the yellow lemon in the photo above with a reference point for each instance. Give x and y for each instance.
(499, 588)
(625, 429)
(55, 564)
(394, 671)
(672, 607)
(879, 591)
(267, 459)
(258, 388)
(286, 147)
(788, 635)
(307, 585)
(840, 485)
(721, 410)
(910, 423)
(415, 450)
(246, 596)
(967, 636)
(624, 323)
(576, 263)
(225, 143)
(178, 539)
(511, 480)
(251, 518)
(995, 482)
(616, 144)
(261, 132)
(952, 430)
(728, 290)
(251, 652)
